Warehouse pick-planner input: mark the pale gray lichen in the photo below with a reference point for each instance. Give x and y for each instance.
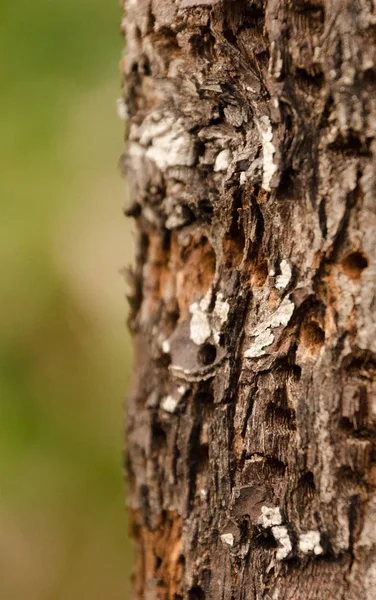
(281, 535)
(166, 346)
(282, 280)
(257, 347)
(262, 333)
(169, 404)
(310, 542)
(200, 329)
(219, 315)
(122, 109)
(222, 162)
(266, 133)
(280, 317)
(204, 324)
(203, 494)
(164, 139)
(227, 538)
(270, 516)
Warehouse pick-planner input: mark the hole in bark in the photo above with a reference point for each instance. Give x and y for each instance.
(204, 398)
(286, 185)
(145, 66)
(259, 274)
(163, 360)
(280, 418)
(312, 336)
(201, 44)
(305, 490)
(202, 457)
(205, 577)
(233, 245)
(353, 264)
(196, 593)
(206, 354)
(349, 481)
(322, 219)
(158, 436)
(265, 540)
(158, 562)
(274, 468)
(205, 207)
(134, 210)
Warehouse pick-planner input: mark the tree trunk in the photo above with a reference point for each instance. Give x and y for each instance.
(251, 421)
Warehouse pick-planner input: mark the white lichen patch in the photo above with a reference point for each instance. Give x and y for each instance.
(266, 133)
(280, 317)
(203, 494)
(169, 404)
(270, 516)
(310, 543)
(165, 140)
(219, 316)
(259, 345)
(263, 334)
(200, 329)
(166, 346)
(204, 324)
(222, 162)
(281, 535)
(282, 280)
(227, 538)
(122, 109)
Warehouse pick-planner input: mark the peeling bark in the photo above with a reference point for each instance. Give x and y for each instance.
(251, 423)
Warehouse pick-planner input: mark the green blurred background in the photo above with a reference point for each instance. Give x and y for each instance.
(65, 353)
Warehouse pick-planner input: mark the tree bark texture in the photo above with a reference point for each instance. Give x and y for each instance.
(251, 422)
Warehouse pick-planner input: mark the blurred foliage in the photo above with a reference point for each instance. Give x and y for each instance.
(64, 352)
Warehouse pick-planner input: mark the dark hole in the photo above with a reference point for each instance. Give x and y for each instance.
(196, 593)
(158, 436)
(134, 210)
(322, 219)
(312, 336)
(138, 33)
(206, 354)
(181, 560)
(202, 457)
(158, 563)
(205, 577)
(306, 490)
(146, 67)
(205, 207)
(353, 264)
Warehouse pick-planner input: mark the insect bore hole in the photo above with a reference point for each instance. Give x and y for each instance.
(353, 264)
(207, 354)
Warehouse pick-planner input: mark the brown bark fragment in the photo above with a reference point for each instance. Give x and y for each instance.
(160, 562)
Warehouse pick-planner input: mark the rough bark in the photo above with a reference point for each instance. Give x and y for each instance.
(251, 422)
